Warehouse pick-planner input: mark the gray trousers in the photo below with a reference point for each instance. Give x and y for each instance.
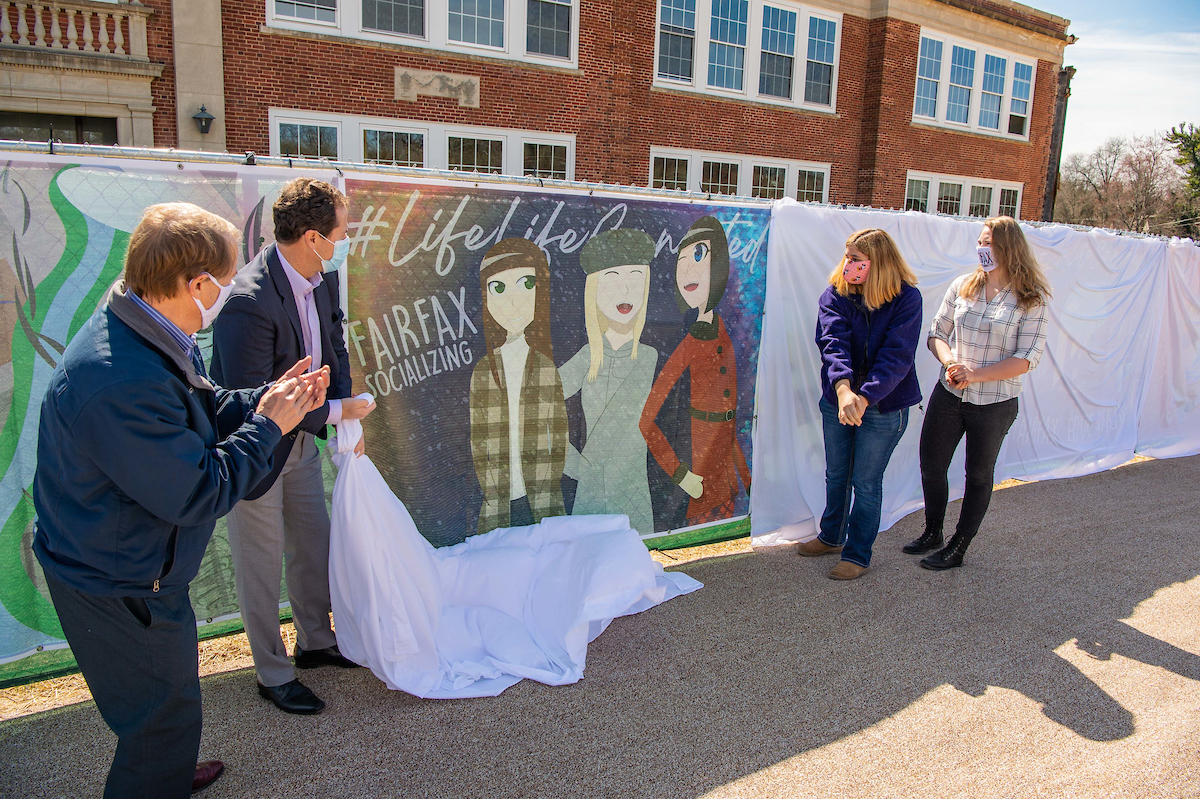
(288, 524)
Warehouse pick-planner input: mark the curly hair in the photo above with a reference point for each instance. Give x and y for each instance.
(306, 204)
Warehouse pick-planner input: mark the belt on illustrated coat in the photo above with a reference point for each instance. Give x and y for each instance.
(706, 416)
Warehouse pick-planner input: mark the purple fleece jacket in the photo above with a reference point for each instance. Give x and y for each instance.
(876, 351)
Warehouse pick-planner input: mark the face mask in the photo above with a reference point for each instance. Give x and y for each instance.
(207, 315)
(341, 249)
(855, 272)
(985, 258)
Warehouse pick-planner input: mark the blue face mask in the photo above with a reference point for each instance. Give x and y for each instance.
(341, 249)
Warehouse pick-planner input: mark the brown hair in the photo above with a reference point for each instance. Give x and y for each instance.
(887, 275)
(710, 229)
(1011, 250)
(177, 240)
(512, 254)
(306, 204)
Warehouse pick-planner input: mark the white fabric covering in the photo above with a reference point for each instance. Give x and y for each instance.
(1121, 372)
(473, 619)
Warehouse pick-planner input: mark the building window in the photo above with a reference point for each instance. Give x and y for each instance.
(818, 82)
(395, 16)
(981, 201)
(308, 141)
(477, 22)
(1009, 200)
(676, 39)
(1002, 82)
(949, 198)
(810, 188)
(670, 173)
(778, 51)
(20, 126)
(476, 155)
(546, 160)
(962, 78)
(917, 196)
(929, 72)
(1019, 111)
(769, 182)
(548, 27)
(962, 196)
(991, 98)
(393, 147)
(727, 46)
(717, 177)
(313, 10)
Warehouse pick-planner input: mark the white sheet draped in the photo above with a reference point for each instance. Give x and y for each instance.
(473, 619)
(1121, 372)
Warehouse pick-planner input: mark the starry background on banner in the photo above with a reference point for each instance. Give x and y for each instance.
(419, 437)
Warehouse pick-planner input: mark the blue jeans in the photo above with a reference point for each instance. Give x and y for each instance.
(855, 459)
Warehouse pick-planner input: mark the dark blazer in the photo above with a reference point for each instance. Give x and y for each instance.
(257, 338)
(138, 456)
(876, 351)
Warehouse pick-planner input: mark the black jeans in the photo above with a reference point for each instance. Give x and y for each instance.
(946, 421)
(140, 661)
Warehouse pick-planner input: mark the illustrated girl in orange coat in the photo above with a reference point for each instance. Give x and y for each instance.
(711, 479)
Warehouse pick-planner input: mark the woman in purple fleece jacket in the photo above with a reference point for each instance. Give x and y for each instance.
(868, 327)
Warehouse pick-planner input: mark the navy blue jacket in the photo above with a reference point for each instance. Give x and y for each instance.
(876, 351)
(138, 456)
(257, 338)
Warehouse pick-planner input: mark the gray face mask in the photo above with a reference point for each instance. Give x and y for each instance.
(208, 315)
(985, 258)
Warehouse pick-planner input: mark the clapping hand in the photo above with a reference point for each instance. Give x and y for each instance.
(294, 395)
(959, 375)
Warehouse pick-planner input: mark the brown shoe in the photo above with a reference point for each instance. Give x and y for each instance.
(811, 549)
(206, 774)
(845, 570)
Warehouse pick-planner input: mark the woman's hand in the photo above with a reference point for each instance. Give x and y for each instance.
(960, 375)
(851, 406)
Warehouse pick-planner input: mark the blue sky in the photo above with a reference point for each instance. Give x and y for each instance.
(1139, 67)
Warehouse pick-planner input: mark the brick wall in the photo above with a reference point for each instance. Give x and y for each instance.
(159, 41)
(615, 114)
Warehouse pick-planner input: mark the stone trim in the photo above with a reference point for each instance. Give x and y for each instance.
(43, 58)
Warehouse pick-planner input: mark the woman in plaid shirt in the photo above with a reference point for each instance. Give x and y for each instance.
(990, 330)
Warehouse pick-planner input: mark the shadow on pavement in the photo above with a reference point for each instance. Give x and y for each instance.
(769, 660)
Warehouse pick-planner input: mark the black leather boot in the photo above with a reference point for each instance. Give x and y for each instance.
(949, 556)
(928, 542)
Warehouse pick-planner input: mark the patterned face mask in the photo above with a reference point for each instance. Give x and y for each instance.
(985, 258)
(855, 272)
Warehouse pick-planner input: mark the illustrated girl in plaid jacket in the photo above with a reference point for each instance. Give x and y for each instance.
(518, 415)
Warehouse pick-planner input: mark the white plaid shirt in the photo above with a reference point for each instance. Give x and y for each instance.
(982, 333)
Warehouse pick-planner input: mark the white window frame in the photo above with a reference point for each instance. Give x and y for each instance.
(348, 23)
(746, 164)
(437, 153)
(700, 51)
(967, 184)
(981, 52)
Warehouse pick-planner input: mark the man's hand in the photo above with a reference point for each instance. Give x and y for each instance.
(290, 400)
(356, 408)
(361, 447)
(693, 484)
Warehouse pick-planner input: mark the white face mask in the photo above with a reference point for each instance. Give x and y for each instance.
(208, 315)
(985, 258)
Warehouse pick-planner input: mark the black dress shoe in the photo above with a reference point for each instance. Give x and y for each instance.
(206, 774)
(323, 657)
(292, 697)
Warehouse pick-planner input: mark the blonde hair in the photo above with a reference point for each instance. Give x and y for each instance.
(178, 240)
(596, 323)
(1011, 250)
(887, 275)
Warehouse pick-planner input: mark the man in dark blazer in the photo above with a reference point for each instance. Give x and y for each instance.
(139, 454)
(286, 305)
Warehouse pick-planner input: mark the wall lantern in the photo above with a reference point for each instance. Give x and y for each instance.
(203, 119)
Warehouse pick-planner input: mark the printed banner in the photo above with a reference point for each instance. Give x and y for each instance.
(535, 353)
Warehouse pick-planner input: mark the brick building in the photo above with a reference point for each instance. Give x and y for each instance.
(938, 105)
